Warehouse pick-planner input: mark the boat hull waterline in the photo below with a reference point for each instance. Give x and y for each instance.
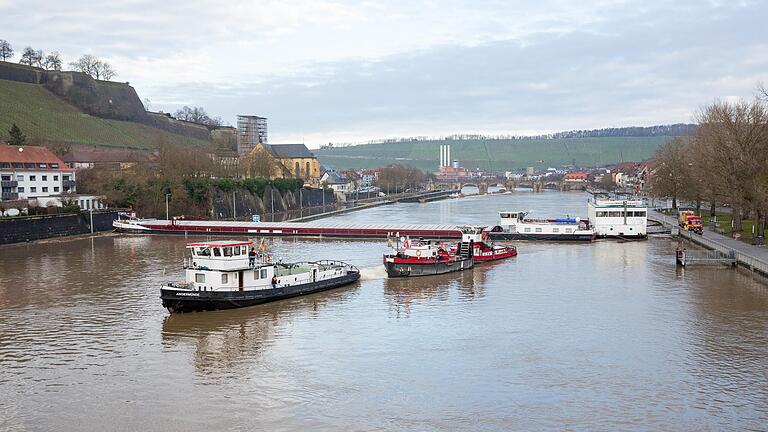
(198, 301)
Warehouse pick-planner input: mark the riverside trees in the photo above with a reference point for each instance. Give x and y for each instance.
(725, 161)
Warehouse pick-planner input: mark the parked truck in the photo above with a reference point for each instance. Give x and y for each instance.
(690, 222)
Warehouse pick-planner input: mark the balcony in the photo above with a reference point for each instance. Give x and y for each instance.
(10, 195)
(9, 183)
(68, 184)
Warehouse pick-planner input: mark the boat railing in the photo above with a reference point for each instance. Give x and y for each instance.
(337, 263)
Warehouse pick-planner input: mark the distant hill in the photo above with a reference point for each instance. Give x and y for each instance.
(587, 148)
(47, 119)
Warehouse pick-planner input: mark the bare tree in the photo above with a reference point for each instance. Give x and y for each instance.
(6, 50)
(53, 61)
(197, 115)
(672, 175)
(39, 58)
(105, 71)
(28, 56)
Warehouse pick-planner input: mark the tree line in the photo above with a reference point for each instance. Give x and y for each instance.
(724, 162)
(88, 64)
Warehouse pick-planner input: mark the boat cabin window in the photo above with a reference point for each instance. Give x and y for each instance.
(538, 229)
(614, 214)
(228, 251)
(637, 213)
(217, 252)
(224, 278)
(202, 251)
(555, 230)
(509, 215)
(568, 230)
(263, 273)
(200, 277)
(602, 214)
(527, 230)
(237, 250)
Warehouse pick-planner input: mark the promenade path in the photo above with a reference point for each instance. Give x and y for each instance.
(754, 257)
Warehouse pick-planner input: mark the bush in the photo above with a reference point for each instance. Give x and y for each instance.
(198, 189)
(287, 184)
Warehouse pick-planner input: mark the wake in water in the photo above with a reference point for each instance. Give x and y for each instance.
(373, 272)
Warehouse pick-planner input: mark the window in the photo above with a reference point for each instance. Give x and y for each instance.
(216, 252)
(200, 277)
(33, 189)
(306, 174)
(263, 273)
(538, 229)
(527, 230)
(29, 165)
(65, 178)
(43, 165)
(45, 178)
(45, 188)
(18, 165)
(55, 178)
(614, 214)
(21, 189)
(568, 230)
(640, 213)
(298, 170)
(602, 214)
(237, 250)
(555, 230)
(20, 178)
(5, 164)
(243, 250)
(6, 178)
(54, 165)
(32, 178)
(224, 278)
(55, 188)
(228, 251)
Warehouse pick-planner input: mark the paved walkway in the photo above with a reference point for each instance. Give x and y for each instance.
(757, 252)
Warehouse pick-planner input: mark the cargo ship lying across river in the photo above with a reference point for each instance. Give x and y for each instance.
(231, 274)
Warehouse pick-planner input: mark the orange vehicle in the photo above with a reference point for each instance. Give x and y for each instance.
(690, 222)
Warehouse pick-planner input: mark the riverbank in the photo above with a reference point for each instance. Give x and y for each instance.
(33, 228)
(376, 202)
(754, 258)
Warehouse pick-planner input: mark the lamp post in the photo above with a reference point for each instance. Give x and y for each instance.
(234, 207)
(167, 213)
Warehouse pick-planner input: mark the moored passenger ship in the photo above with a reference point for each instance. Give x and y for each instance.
(221, 275)
(619, 218)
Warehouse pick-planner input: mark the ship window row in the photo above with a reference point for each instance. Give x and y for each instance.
(636, 213)
(225, 251)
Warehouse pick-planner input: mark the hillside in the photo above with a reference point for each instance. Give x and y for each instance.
(503, 154)
(47, 119)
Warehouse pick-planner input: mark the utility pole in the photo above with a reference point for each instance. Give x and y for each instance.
(167, 213)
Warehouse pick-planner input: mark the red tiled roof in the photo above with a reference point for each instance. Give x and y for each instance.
(30, 154)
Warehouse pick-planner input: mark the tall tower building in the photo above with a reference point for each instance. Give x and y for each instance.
(251, 130)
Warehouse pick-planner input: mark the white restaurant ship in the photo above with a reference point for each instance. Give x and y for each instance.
(618, 218)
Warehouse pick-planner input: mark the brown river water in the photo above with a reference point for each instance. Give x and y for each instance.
(602, 336)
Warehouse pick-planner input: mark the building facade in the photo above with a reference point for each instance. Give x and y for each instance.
(29, 172)
(251, 130)
(290, 161)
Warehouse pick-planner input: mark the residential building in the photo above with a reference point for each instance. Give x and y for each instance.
(368, 177)
(336, 181)
(81, 158)
(576, 177)
(33, 172)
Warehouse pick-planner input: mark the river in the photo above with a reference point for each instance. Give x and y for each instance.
(602, 336)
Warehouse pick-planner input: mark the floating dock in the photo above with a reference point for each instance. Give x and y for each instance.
(305, 229)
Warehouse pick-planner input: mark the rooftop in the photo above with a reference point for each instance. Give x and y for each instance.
(289, 151)
(30, 157)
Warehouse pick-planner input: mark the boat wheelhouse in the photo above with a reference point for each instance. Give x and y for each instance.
(619, 218)
(515, 225)
(230, 274)
(482, 250)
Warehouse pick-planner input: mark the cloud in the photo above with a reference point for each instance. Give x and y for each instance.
(335, 71)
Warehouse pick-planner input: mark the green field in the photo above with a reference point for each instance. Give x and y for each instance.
(46, 119)
(497, 154)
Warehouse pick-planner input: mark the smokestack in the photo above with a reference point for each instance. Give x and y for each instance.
(442, 155)
(448, 156)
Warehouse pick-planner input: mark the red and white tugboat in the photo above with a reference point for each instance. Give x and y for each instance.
(426, 258)
(483, 251)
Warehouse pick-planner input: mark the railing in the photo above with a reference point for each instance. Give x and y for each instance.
(746, 260)
(330, 263)
(9, 183)
(68, 183)
(10, 195)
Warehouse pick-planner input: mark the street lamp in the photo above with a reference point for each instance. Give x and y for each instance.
(167, 213)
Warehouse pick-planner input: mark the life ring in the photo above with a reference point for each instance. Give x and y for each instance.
(418, 253)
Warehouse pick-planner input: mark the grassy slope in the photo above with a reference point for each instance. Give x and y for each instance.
(503, 154)
(45, 118)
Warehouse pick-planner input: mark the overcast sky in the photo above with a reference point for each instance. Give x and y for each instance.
(350, 71)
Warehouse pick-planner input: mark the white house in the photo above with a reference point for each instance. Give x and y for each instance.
(336, 181)
(31, 172)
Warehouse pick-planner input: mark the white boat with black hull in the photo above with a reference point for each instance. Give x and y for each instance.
(232, 274)
(517, 226)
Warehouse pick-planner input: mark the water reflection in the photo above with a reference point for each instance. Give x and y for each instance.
(222, 341)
